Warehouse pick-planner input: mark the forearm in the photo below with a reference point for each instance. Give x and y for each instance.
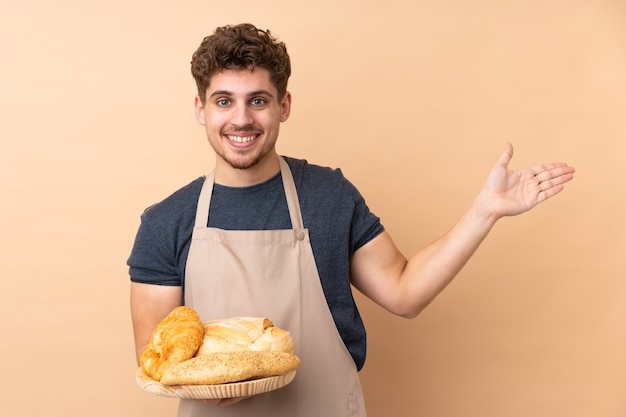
(431, 269)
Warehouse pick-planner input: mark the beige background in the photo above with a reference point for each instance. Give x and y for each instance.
(414, 99)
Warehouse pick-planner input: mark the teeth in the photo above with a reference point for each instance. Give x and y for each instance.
(241, 139)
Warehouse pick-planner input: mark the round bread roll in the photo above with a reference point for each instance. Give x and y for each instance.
(176, 339)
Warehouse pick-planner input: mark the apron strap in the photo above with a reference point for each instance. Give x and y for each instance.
(202, 212)
(204, 200)
(291, 194)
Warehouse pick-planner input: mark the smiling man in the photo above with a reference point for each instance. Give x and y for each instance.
(265, 235)
(241, 113)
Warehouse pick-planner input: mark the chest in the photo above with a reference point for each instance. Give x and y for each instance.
(251, 208)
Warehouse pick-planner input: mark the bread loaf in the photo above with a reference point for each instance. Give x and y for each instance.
(274, 339)
(225, 367)
(244, 333)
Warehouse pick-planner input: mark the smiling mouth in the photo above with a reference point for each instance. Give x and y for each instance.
(241, 139)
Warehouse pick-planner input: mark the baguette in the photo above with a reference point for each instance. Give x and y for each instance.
(225, 367)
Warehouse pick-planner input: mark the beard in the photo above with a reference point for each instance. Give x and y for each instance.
(243, 161)
(244, 158)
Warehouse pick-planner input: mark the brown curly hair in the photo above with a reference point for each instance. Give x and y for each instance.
(240, 47)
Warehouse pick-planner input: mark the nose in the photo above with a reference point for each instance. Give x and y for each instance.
(242, 115)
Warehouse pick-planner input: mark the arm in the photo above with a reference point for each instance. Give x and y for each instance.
(149, 304)
(406, 287)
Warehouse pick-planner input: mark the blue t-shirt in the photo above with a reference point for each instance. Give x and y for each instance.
(334, 212)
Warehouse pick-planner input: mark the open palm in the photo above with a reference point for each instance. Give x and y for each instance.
(512, 192)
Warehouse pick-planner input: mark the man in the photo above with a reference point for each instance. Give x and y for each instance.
(285, 239)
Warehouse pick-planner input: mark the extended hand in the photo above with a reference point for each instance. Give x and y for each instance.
(511, 192)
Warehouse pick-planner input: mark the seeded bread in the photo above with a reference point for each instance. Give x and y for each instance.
(225, 367)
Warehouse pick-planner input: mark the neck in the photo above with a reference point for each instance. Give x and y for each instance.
(229, 176)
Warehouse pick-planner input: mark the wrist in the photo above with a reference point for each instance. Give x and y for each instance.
(483, 210)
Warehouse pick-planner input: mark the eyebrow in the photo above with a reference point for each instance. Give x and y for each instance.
(251, 94)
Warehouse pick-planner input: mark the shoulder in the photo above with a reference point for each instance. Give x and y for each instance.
(163, 237)
(180, 203)
(299, 166)
(321, 186)
(310, 175)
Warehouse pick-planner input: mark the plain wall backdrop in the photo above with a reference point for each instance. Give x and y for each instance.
(414, 100)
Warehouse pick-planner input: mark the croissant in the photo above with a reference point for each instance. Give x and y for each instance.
(176, 339)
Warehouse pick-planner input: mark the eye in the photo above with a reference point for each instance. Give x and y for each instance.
(222, 102)
(258, 102)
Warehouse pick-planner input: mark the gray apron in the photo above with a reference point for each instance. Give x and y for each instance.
(272, 273)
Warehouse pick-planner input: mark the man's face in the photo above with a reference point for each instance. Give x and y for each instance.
(242, 116)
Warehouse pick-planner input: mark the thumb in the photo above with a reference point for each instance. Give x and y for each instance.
(506, 156)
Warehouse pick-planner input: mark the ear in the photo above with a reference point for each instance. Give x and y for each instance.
(285, 107)
(199, 108)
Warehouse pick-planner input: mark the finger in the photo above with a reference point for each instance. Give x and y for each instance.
(544, 195)
(228, 401)
(222, 402)
(550, 172)
(218, 402)
(538, 169)
(552, 182)
(506, 156)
